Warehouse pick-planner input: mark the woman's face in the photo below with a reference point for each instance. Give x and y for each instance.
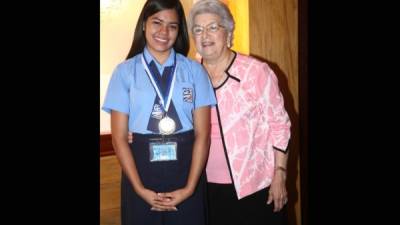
(209, 37)
(161, 31)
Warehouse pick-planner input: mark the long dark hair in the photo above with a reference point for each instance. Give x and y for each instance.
(150, 8)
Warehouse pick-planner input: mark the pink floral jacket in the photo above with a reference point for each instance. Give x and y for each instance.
(254, 121)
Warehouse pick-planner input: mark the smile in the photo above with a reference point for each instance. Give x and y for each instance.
(161, 39)
(206, 44)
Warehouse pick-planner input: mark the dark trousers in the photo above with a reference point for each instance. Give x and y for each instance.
(162, 177)
(225, 209)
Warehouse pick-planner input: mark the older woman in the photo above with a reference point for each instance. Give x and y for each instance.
(250, 128)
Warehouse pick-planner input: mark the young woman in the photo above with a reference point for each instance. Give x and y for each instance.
(164, 99)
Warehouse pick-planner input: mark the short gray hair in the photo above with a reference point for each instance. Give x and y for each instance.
(214, 7)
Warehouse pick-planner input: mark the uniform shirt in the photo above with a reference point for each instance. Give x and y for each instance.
(130, 91)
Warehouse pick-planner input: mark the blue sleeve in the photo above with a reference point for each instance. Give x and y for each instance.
(204, 92)
(117, 95)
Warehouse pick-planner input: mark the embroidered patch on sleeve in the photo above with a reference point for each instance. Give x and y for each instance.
(188, 95)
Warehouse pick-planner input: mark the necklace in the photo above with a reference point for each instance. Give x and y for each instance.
(217, 80)
(217, 74)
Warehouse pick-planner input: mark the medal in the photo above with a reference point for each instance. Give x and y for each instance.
(166, 126)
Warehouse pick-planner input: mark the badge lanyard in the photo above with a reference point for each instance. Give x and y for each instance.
(165, 102)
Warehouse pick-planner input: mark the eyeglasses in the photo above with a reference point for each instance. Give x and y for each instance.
(211, 28)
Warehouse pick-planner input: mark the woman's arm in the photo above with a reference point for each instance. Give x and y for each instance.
(277, 190)
(279, 124)
(119, 131)
(201, 145)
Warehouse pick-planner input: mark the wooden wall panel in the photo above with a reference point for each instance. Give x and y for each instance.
(274, 39)
(110, 194)
(110, 217)
(106, 147)
(274, 35)
(110, 170)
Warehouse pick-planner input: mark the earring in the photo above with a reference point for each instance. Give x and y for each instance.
(229, 41)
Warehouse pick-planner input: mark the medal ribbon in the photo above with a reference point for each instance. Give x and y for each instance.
(165, 101)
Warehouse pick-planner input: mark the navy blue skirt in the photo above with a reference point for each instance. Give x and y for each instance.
(163, 176)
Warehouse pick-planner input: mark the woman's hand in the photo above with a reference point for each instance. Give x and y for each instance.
(156, 200)
(130, 137)
(277, 190)
(172, 199)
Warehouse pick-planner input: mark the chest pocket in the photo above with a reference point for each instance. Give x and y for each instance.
(185, 96)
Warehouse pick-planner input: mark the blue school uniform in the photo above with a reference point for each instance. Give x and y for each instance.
(132, 92)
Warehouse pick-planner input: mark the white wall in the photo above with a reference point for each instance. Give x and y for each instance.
(104, 117)
(117, 24)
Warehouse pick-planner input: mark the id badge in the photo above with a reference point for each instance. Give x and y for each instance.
(163, 151)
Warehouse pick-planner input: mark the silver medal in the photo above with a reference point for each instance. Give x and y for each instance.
(166, 126)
